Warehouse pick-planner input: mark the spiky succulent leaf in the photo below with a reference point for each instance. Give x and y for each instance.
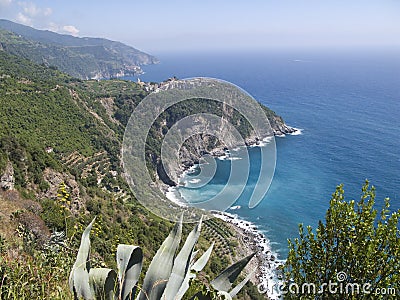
(129, 262)
(79, 276)
(189, 275)
(182, 264)
(161, 266)
(224, 281)
(197, 267)
(185, 285)
(103, 283)
(237, 288)
(202, 261)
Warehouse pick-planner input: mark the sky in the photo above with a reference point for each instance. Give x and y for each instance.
(200, 25)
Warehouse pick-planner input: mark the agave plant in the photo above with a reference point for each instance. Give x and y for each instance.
(168, 276)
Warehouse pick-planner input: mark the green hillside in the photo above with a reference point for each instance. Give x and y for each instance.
(83, 58)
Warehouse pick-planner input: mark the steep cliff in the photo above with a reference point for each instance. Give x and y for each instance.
(200, 144)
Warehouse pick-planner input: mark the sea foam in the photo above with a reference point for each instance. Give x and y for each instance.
(298, 131)
(173, 195)
(268, 275)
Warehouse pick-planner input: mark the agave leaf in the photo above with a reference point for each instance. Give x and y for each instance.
(197, 267)
(202, 261)
(224, 281)
(185, 285)
(79, 276)
(189, 275)
(103, 283)
(237, 288)
(182, 264)
(129, 261)
(161, 266)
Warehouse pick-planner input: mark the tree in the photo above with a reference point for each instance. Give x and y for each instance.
(354, 255)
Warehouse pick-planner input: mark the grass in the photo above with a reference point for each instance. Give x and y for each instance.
(36, 276)
(28, 271)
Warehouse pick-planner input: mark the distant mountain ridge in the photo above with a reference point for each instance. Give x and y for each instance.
(84, 58)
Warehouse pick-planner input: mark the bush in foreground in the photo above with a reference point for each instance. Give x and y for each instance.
(356, 250)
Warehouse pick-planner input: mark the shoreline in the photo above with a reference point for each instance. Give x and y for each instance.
(172, 193)
(267, 276)
(251, 141)
(266, 261)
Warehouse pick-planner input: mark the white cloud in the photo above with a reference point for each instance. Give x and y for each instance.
(5, 2)
(52, 27)
(32, 15)
(67, 29)
(32, 10)
(24, 19)
(71, 30)
(29, 8)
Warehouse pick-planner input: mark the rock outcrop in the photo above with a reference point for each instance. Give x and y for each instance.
(54, 180)
(279, 126)
(7, 180)
(197, 146)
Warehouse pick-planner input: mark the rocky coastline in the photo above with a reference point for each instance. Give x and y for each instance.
(188, 160)
(266, 263)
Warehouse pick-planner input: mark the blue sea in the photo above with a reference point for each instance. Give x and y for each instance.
(347, 104)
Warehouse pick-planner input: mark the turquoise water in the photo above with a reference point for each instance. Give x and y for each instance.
(348, 105)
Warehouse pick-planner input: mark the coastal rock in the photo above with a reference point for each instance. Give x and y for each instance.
(252, 240)
(206, 137)
(279, 126)
(7, 180)
(198, 145)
